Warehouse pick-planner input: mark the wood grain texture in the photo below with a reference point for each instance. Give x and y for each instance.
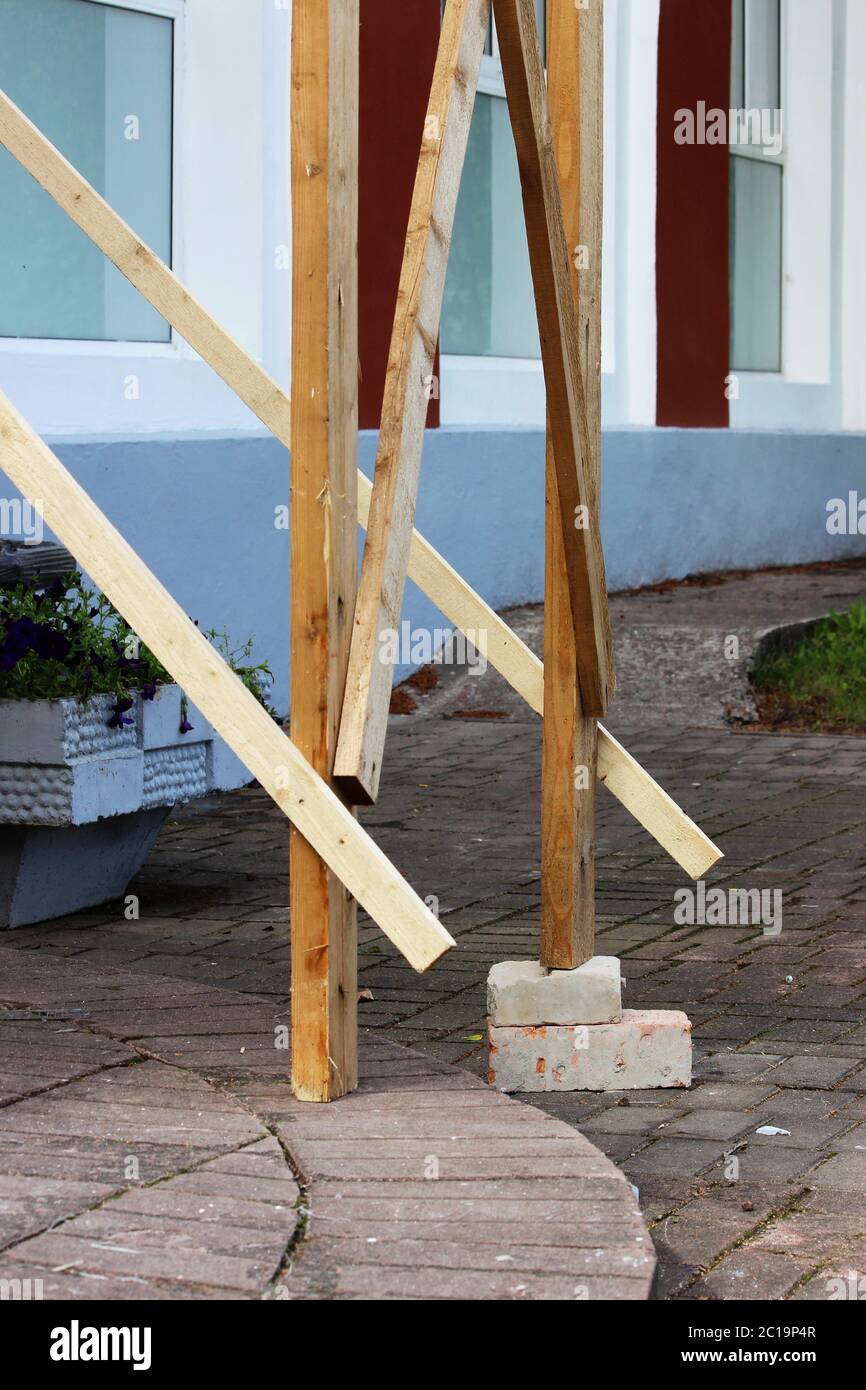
(575, 83)
(557, 321)
(364, 722)
(324, 173)
(221, 696)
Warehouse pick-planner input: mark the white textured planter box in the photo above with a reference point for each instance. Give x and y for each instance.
(81, 803)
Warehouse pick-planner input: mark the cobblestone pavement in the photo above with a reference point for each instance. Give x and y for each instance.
(779, 1021)
(150, 1147)
(671, 658)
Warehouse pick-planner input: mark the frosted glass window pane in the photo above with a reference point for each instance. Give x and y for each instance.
(90, 76)
(489, 308)
(756, 265)
(762, 42)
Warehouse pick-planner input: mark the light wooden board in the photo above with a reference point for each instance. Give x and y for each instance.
(220, 695)
(629, 782)
(364, 721)
(557, 323)
(575, 79)
(324, 546)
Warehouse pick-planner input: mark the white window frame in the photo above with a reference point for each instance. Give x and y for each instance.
(801, 395)
(743, 149)
(509, 390)
(100, 347)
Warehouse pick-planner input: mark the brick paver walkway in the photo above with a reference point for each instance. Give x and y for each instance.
(779, 1021)
(150, 1147)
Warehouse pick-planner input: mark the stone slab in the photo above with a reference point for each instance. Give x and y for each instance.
(524, 993)
(648, 1048)
(46, 871)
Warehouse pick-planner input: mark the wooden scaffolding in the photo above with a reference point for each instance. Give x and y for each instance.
(340, 689)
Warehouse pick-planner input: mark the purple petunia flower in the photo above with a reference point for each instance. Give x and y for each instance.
(120, 718)
(23, 636)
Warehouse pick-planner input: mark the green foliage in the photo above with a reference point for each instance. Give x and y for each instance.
(64, 641)
(820, 682)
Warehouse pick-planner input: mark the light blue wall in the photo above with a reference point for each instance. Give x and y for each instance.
(201, 512)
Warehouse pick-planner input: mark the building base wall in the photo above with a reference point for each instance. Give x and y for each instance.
(207, 512)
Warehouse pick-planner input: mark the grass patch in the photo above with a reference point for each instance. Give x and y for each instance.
(819, 683)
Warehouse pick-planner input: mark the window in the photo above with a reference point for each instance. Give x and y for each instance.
(98, 80)
(757, 181)
(489, 308)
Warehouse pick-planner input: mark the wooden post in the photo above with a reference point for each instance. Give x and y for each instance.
(325, 36)
(570, 740)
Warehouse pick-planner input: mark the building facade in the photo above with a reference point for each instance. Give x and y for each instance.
(734, 371)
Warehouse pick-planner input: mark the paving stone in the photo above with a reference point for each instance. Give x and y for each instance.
(217, 882)
(846, 1170)
(812, 1071)
(713, 1124)
(751, 1275)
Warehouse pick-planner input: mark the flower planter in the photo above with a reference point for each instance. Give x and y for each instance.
(81, 803)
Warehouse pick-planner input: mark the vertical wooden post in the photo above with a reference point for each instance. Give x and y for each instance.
(570, 742)
(324, 514)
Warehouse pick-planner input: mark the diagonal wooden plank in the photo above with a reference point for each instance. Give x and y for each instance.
(364, 721)
(630, 783)
(557, 322)
(221, 696)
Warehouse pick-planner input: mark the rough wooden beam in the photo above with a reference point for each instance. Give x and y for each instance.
(324, 537)
(575, 79)
(557, 322)
(364, 721)
(220, 695)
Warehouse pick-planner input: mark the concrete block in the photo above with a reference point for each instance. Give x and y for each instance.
(49, 871)
(524, 993)
(647, 1048)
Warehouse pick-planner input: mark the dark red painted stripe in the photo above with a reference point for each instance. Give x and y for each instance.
(399, 39)
(692, 232)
